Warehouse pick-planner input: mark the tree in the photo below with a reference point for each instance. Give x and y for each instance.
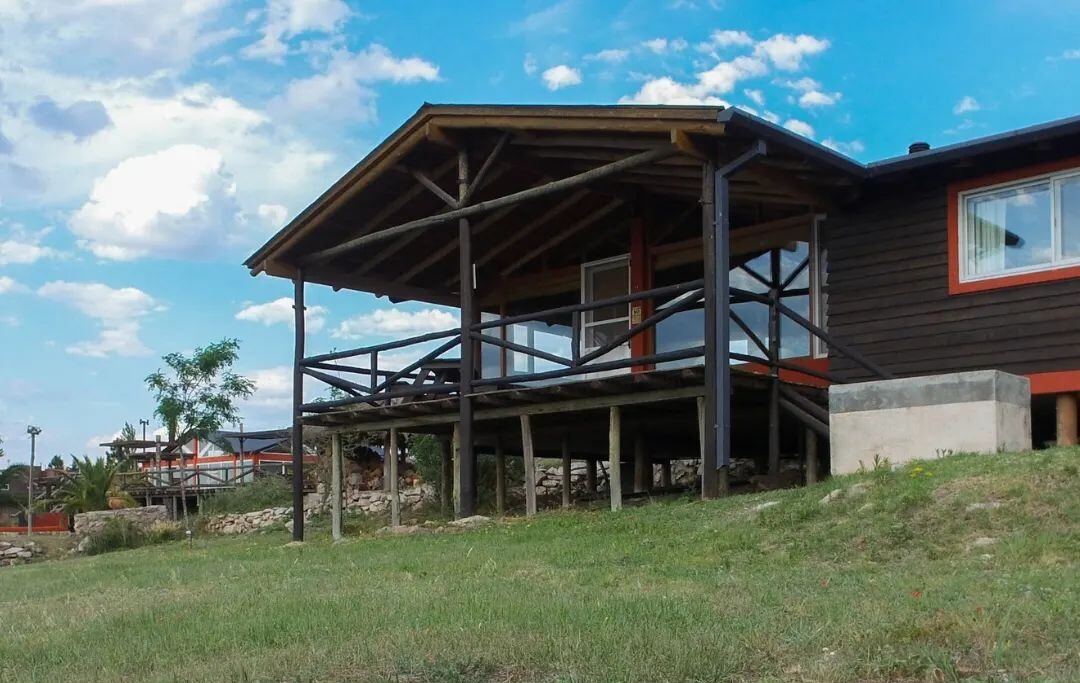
(198, 393)
(121, 454)
(89, 487)
(57, 463)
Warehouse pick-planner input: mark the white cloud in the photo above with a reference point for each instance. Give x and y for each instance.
(1067, 54)
(851, 148)
(343, 90)
(787, 52)
(117, 310)
(816, 98)
(561, 76)
(756, 96)
(274, 214)
(552, 19)
(725, 38)
(663, 45)
(280, 311)
(285, 19)
(719, 80)
(611, 56)
(804, 84)
(179, 202)
(395, 322)
(799, 127)
(24, 247)
(966, 104)
(8, 285)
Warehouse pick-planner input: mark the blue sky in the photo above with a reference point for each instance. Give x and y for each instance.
(146, 147)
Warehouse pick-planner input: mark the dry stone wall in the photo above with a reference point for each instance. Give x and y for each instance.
(90, 523)
(19, 552)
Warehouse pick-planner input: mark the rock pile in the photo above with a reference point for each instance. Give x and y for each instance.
(19, 553)
(90, 523)
(245, 522)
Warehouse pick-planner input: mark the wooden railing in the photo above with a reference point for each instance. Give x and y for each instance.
(426, 377)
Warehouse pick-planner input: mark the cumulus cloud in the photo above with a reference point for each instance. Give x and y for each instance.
(561, 76)
(799, 127)
(286, 19)
(9, 285)
(852, 148)
(176, 203)
(966, 104)
(395, 322)
(816, 98)
(710, 85)
(755, 96)
(344, 89)
(22, 247)
(725, 38)
(117, 310)
(81, 119)
(662, 46)
(611, 56)
(280, 312)
(787, 52)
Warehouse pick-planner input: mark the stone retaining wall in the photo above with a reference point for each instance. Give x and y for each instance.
(90, 523)
(19, 552)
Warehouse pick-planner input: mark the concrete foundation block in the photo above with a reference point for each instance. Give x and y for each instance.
(984, 411)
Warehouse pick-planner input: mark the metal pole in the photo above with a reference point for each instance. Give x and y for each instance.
(33, 432)
(774, 356)
(298, 400)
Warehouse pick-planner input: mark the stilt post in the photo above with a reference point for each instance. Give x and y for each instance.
(566, 471)
(530, 466)
(642, 466)
(590, 475)
(456, 460)
(297, 414)
(811, 439)
(395, 498)
(466, 461)
(335, 486)
(386, 464)
(774, 356)
(1066, 419)
(615, 458)
(446, 478)
(500, 477)
(665, 474)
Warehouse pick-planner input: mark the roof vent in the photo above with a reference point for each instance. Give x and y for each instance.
(916, 147)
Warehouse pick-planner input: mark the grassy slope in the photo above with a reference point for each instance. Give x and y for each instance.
(678, 591)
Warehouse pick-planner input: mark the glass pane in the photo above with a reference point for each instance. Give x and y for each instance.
(1070, 217)
(1008, 230)
(598, 335)
(606, 282)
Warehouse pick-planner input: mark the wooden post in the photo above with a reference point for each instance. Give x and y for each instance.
(395, 499)
(811, 439)
(566, 471)
(335, 486)
(386, 464)
(297, 414)
(500, 477)
(446, 478)
(183, 492)
(457, 470)
(774, 356)
(665, 474)
(1066, 420)
(711, 412)
(466, 462)
(615, 458)
(590, 475)
(530, 466)
(642, 466)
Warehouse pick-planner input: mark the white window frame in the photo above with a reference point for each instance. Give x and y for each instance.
(1055, 179)
(819, 275)
(603, 264)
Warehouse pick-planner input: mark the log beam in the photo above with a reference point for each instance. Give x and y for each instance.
(615, 457)
(1066, 419)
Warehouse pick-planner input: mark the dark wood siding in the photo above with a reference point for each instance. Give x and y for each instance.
(888, 293)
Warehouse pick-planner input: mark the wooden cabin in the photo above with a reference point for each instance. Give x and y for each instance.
(582, 245)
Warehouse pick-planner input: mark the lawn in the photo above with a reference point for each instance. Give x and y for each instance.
(964, 568)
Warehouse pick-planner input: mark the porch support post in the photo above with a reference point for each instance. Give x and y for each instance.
(456, 460)
(615, 458)
(665, 474)
(774, 371)
(811, 439)
(642, 466)
(335, 486)
(530, 466)
(298, 400)
(566, 471)
(715, 414)
(590, 475)
(1066, 419)
(500, 477)
(446, 478)
(395, 499)
(386, 464)
(466, 461)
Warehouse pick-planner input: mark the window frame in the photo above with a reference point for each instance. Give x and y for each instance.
(1054, 173)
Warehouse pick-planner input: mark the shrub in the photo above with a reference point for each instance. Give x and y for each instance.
(124, 534)
(264, 492)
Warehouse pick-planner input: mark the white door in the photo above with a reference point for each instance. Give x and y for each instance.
(604, 280)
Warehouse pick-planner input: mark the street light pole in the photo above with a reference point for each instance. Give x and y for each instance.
(33, 432)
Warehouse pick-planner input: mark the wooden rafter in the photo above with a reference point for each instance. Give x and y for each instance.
(563, 234)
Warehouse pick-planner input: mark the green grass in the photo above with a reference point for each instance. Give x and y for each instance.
(265, 492)
(881, 587)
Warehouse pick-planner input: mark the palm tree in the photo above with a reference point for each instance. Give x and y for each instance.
(89, 487)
